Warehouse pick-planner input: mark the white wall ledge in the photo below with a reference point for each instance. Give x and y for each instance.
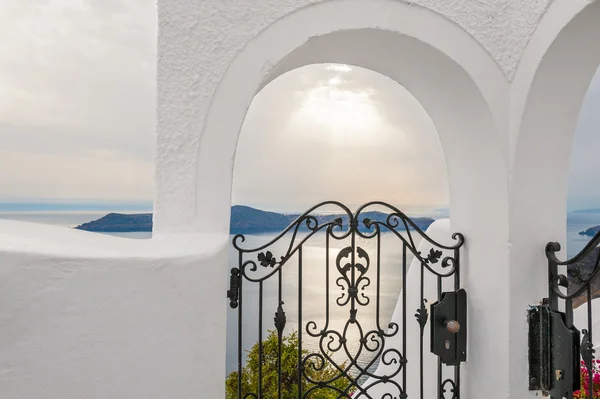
(59, 241)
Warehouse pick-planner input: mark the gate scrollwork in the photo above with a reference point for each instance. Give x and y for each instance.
(571, 284)
(352, 282)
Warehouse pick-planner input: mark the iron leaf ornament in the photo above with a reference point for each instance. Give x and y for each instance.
(576, 272)
(422, 315)
(267, 259)
(433, 256)
(587, 350)
(280, 318)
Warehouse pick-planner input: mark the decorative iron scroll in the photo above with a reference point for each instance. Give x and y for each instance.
(354, 269)
(575, 284)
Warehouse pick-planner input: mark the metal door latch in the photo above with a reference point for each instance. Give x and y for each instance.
(449, 327)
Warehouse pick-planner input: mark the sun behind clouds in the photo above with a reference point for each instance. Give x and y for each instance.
(337, 132)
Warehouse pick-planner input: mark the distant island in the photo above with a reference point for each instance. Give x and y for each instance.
(119, 223)
(244, 220)
(592, 231)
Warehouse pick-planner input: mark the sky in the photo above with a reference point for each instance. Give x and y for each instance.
(77, 99)
(77, 121)
(338, 132)
(584, 173)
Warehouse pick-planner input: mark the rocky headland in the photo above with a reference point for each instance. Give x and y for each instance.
(244, 220)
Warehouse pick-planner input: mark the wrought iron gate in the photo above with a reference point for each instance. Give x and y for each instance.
(557, 352)
(362, 356)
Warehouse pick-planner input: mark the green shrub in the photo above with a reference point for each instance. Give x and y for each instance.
(289, 372)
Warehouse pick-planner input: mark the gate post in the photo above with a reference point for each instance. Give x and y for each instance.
(486, 279)
(532, 226)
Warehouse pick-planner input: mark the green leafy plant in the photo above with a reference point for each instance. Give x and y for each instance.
(289, 372)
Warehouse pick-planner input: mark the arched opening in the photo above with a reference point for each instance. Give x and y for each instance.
(583, 208)
(441, 87)
(449, 84)
(583, 195)
(332, 132)
(550, 115)
(552, 82)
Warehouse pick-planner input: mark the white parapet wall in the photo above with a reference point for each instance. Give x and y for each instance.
(83, 315)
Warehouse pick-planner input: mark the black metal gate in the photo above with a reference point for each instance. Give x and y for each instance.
(561, 362)
(346, 349)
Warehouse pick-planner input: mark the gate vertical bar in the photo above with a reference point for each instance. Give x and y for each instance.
(456, 288)
(552, 297)
(240, 326)
(439, 360)
(260, 340)
(378, 279)
(569, 313)
(404, 248)
(279, 337)
(591, 365)
(300, 323)
(353, 227)
(421, 376)
(328, 232)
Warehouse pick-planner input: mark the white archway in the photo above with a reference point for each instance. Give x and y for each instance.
(457, 83)
(547, 93)
(442, 85)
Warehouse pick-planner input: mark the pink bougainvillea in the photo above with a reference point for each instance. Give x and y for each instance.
(584, 392)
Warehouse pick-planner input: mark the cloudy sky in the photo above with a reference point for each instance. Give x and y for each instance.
(77, 99)
(338, 132)
(77, 89)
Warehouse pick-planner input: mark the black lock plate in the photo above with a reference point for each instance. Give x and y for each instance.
(553, 353)
(450, 346)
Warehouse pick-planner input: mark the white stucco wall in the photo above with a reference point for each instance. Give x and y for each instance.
(84, 315)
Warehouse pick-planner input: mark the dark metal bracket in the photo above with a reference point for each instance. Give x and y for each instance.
(234, 288)
(553, 353)
(449, 327)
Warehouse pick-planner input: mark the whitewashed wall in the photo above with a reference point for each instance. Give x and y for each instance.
(85, 316)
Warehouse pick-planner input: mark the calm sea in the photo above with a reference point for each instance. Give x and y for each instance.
(313, 276)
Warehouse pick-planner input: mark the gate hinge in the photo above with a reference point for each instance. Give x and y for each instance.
(449, 327)
(234, 288)
(553, 353)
